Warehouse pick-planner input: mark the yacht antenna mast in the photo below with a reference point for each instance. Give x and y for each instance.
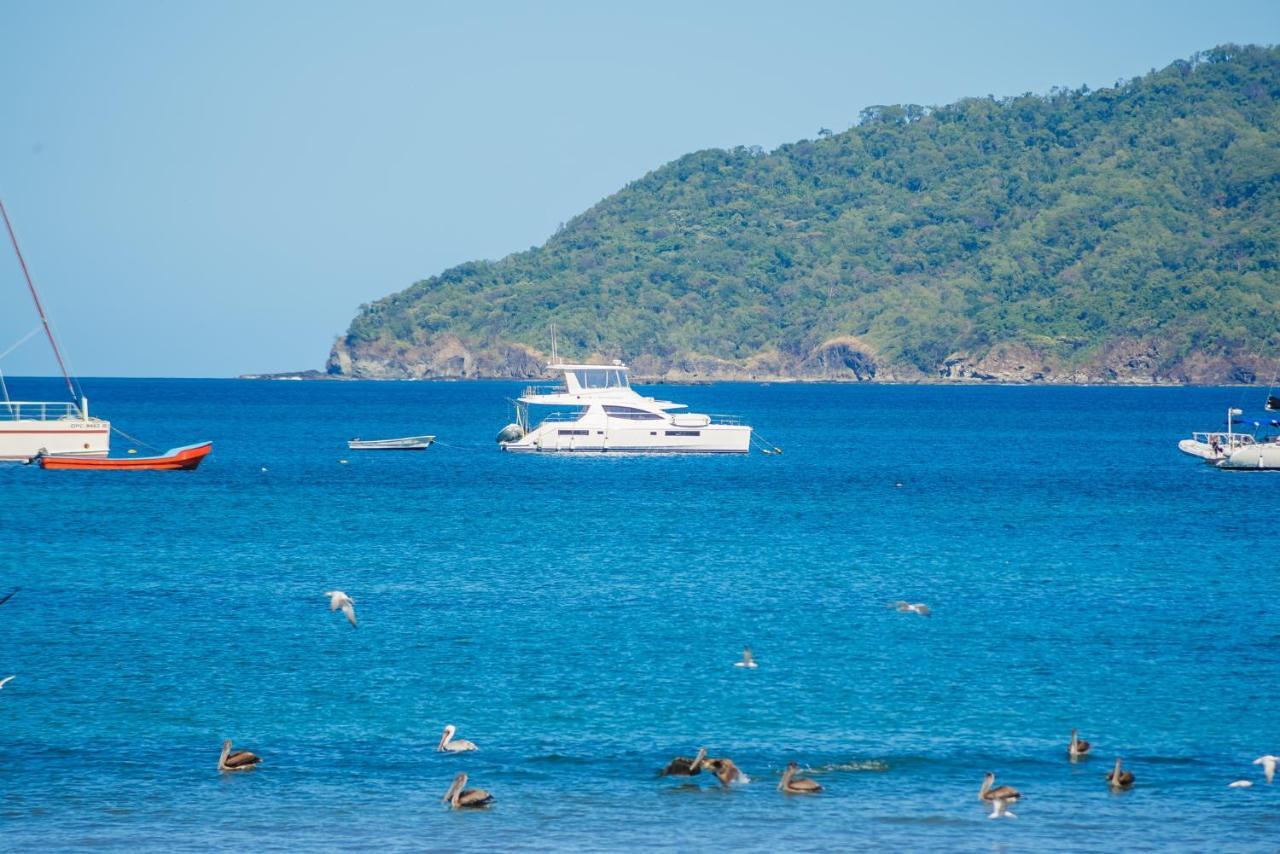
(13, 238)
(555, 360)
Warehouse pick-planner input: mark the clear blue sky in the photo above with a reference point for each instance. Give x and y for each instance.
(207, 189)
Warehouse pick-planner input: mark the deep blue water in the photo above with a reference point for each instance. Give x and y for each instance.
(578, 618)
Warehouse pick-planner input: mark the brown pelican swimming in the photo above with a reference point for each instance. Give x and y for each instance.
(338, 599)
(682, 766)
(1118, 779)
(241, 760)
(449, 744)
(1000, 797)
(912, 608)
(791, 786)
(1078, 747)
(459, 798)
(748, 660)
(1267, 762)
(726, 772)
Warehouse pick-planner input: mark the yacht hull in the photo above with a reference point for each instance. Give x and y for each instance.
(22, 440)
(1254, 458)
(664, 439)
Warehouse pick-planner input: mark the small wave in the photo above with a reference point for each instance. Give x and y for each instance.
(865, 765)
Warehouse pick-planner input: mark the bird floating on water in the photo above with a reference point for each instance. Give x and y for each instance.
(338, 599)
(1119, 779)
(1078, 747)
(792, 785)
(726, 772)
(448, 744)
(1240, 784)
(748, 660)
(912, 608)
(683, 766)
(1000, 797)
(1268, 764)
(459, 798)
(5, 680)
(241, 760)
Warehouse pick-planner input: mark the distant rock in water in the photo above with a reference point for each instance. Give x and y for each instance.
(1124, 235)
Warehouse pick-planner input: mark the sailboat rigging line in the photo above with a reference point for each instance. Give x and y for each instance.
(31, 286)
(135, 439)
(23, 340)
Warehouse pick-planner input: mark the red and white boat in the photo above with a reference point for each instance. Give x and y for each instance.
(186, 458)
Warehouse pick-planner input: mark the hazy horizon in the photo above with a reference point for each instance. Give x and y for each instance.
(213, 191)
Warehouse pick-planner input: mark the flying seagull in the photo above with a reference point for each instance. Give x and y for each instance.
(912, 608)
(338, 599)
(1268, 764)
(5, 680)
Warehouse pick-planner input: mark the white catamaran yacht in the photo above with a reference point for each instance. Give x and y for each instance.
(605, 414)
(31, 428)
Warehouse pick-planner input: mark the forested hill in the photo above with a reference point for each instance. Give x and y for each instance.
(1123, 234)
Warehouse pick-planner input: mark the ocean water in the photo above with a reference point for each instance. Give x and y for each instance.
(578, 618)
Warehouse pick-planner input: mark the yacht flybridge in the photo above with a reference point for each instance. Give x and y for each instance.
(603, 413)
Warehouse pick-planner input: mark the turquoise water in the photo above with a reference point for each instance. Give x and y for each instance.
(578, 618)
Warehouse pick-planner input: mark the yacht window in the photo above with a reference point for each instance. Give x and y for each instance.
(684, 433)
(575, 432)
(631, 412)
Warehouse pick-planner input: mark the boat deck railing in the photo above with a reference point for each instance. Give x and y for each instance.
(1224, 439)
(727, 420)
(549, 388)
(38, 410)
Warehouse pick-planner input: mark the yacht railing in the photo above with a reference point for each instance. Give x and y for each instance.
(536, 390)
(727, 420)
(1232, 441)
(37, 410)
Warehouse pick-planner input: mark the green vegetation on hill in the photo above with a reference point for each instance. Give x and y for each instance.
(1123, 233)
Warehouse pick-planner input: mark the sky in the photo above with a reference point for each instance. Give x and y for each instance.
(211, 189)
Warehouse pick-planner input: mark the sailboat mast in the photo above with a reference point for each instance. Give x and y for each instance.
(62, 366)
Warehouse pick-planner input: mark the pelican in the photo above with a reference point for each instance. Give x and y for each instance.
(241, 760)
(6, 679)
(448, 744)
(791, 786)
(1078, 747)
(748, 660)
(682, 766)
(912, 608)
(1267, 762)
(338, 599)
(465, 799)
(1000, 797)
(726, 772)
(1118, 779)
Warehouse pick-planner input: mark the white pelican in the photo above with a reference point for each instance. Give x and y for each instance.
(1240, 784)
(460, 798)
(791, 786)
(5, 680)
(448, 744)
(1000, 797)
(338, 599)
(241, 760)
(1078, 746)
(682, 766)
(1267, 762)
(912, 608)
(1119, 779)
(748, 660)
